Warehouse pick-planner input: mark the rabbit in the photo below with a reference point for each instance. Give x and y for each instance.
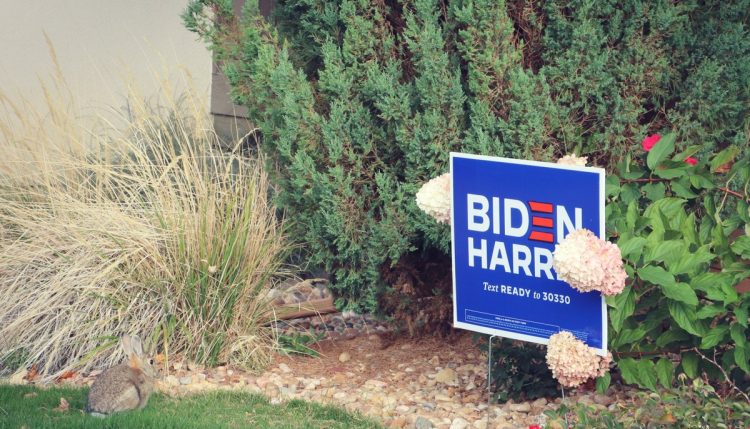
(126, 386)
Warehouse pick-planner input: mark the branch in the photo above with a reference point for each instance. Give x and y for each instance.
(651, 353)
(733, 193)
(646, 180)
(726, 376)
(656, 180)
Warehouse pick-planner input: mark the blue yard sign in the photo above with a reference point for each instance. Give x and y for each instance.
(507, 215)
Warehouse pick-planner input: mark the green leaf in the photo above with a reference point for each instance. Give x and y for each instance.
(726, 155)
(655, 275)
(701, 182)
(631, 217)
(684, 316)
(629, 192)
(687, 228)
(738, 336)
(671, 207)
(742, 358)
(689, 364)
(628, 370)
(710, 311)
(741, 246)
(661, 150)
(671, 173)
(714, 336)
(654, 191)
(612, 185)
(680, 292)
(665, 372)
(688, 152)
(682, 191)
(741, 313)
(666, 250)
(646, 374)
(693, 261)
(631, 246)
(628, 336)
(602, 383)
(671, 336)
(624, 306)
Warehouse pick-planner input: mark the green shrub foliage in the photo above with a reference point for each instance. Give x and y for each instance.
(360, 102)
(684, 232)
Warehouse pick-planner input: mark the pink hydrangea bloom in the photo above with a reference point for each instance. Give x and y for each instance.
(434, 198)
(572, 159)
(650, 141)
(572, 362)
(588, 263)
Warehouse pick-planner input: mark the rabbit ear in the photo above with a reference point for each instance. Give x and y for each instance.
(127, 345)
(137, 346)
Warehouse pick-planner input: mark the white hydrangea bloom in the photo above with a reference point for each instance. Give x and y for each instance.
(572, 159)
(572, 362)
(434, 198)
(588, 263)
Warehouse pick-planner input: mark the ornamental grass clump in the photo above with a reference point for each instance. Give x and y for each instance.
(138, 227)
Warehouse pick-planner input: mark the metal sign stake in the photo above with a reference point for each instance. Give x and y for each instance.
(489, 380)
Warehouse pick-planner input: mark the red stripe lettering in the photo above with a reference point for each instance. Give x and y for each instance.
(541, 236)
(540, 207)
(542, 221)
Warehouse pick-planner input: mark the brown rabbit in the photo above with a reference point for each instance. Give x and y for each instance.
(126, 386)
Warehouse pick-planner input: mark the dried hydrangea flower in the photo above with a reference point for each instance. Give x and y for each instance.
(434, 198)
(573, 160)
(588, 263)
(572, 362)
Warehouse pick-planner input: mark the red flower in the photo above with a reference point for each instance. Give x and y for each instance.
(690, 160)
(650, 141)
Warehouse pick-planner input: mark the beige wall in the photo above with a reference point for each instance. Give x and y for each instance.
(100, 44)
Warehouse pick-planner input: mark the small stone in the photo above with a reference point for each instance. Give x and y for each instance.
(459, 423)
(447, 376)
(177, 366)
(399, 422)
(344, 357)
(428, 406)
(171, 380)
(480, 424)
(403, 409)
(376, 383)
(541, 402)
(186, 380)
(523, 407)
(423, 423)
(434, 361)
(284, 368)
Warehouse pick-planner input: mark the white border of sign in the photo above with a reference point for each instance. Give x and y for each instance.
(507, 334)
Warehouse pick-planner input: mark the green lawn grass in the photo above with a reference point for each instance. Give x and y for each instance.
(210, 410)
